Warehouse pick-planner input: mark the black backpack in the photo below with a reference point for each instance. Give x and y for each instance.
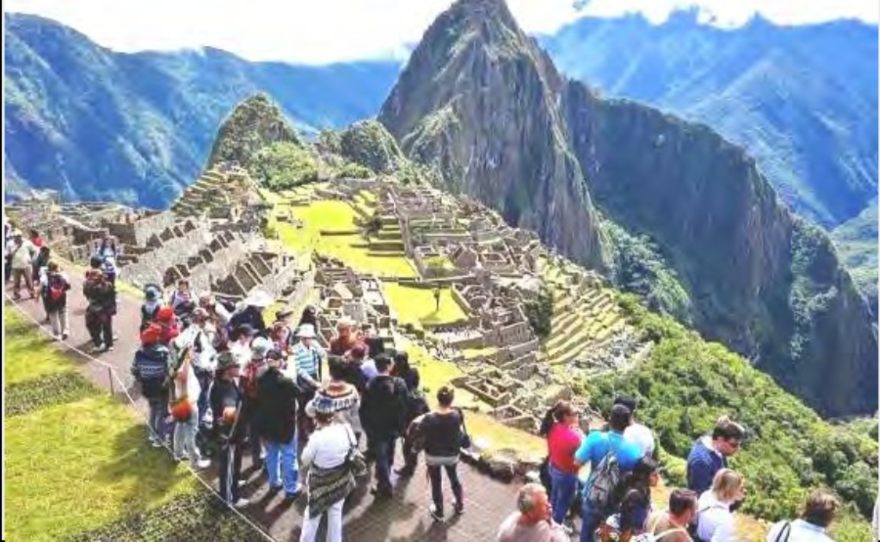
(152, 369)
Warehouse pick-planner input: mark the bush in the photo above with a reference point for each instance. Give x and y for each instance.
(540, 313)
(284, 165)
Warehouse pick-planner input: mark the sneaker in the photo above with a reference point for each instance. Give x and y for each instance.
(202, 464)
(241, 483)
(241, 502)
(98, 349)
(64, 336)
(436, 514)
(295, 495)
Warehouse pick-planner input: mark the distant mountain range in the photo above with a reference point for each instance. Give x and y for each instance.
(802, 100)
(137, 128)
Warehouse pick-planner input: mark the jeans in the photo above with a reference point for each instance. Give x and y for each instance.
(590, 521)
(185, 439)
(204, 378)
(289, 470)
(563, 488)
(230, 472)
(334, 524)
(100, 328)
(58, 319)
(435, 473)
(383, 447)
(158, 413)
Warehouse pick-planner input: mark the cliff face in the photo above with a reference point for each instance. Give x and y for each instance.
(254, 123)
(762, 281)
(478, 100)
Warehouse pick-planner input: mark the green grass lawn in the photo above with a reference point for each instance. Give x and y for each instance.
(417, 306)
(74, 466)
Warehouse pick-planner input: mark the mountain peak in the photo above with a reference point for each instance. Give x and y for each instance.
(253, 124)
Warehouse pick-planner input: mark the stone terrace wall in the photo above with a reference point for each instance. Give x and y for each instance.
(139, 231)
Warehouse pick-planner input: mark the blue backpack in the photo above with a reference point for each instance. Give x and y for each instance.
(151, 369)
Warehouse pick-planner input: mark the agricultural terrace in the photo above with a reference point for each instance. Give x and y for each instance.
(417, 306)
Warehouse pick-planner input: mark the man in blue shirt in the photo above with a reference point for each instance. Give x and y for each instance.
(709, 454)
(593, 450)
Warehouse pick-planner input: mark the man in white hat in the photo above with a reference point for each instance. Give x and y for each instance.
(306, 359)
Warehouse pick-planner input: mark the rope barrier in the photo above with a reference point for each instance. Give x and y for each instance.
(112, 374)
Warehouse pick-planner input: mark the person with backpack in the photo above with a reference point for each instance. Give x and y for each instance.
(416, 405)
(275, 420)
(40, 267)
(100, 310)
(185, 411)
(151, 369)
(637, 433)
(818, 514)
(443, 434)
(151, 305)
(342, 397)
(54, 292)
(382, 414)
(634, 498)
(167, 322)
(714, 516)
(709, 453)
(532, 522)
(672, 526)
(21, 256)
(563, 440)
(609, 456)
(251, 400)
(226, 399)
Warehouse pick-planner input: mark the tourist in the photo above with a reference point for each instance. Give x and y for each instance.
(375, 343)
(108, 248)
(444, 436)
(204, 364)
(306, 359)
(563, 440)
(532, 522)
(593, 450)
(167, 320)
(382, 415)
(275, 419)
(309, 316)
(283, 334)
(151, 305)
(342, 397)
(714, 517)
(21, 255)
(109, 274)
(54, 288)
(35, 239)
(330, 478)
(255, 367)
(416, 405)
(354, 373)
(38, 267)
(100, 310)
(819, 511)
(218, 312)
(345, 338)
(185, 411)
(226, 401)
(240, 344)
(8, 247)
(709, 453)
(637, 433)
(634, 507)
(181, 298)
(672, 526)
(360, 356)
(151, 367)
(251, 312)
(437, 294)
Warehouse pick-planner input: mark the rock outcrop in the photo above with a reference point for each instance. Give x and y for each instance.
(368, 143)
(478, 100)
(254, 123)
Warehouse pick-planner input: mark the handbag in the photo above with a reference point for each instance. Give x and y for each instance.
(354, 459)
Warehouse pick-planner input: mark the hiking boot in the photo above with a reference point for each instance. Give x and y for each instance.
(435, 513)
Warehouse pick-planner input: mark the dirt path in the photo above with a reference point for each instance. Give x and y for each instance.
(403, 518)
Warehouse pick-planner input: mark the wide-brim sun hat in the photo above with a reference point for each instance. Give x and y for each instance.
(258, 298)
(306, 331)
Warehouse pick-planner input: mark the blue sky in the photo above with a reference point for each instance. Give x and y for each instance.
(320, 31)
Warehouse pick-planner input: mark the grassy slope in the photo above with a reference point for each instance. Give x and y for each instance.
(416, 305)
(56, 456)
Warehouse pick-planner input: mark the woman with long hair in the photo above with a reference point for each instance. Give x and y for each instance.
(634, 502)
(714, 518)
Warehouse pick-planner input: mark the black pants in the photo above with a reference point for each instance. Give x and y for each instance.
(100, 328)
(434, 473)
(410, 456)
(230, 472)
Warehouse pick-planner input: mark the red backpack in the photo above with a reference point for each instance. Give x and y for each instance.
(56, 289)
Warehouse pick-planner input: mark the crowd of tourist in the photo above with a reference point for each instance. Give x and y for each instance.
(220, 382)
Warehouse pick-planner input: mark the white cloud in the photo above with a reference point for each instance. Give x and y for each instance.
(319, 31)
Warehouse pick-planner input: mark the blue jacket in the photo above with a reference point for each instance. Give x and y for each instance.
(702, 464)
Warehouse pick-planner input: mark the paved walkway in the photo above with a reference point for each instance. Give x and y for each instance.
(403, 518)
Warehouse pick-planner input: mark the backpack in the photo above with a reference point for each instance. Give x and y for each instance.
(152, 371)
(56, 289)
(603, 484)
(416, 404)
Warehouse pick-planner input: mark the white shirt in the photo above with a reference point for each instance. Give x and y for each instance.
(328, 446)
(641, 436)
(205, 358)
(192, 389)
(801, 531)
(714, 519)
